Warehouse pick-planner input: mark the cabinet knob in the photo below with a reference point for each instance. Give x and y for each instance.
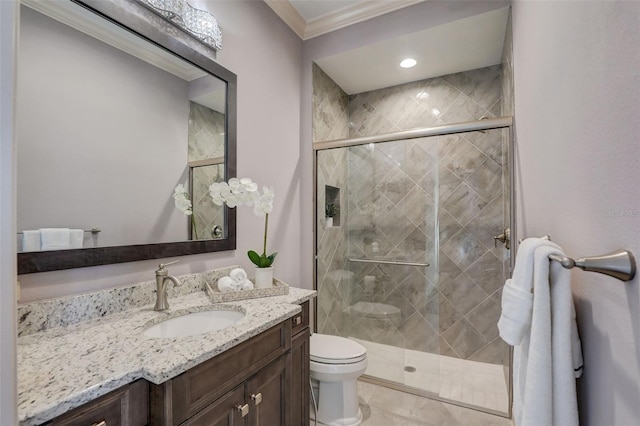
(100, 423)
(256, 398)
(297, 320)
(243, 409)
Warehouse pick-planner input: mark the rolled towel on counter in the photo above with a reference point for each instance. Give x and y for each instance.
(246, 285)
(226, 284)
(238, 275)
(31, 240)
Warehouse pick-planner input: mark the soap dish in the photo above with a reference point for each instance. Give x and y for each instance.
(279, 288)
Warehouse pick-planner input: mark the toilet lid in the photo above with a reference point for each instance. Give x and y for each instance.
(335, 350)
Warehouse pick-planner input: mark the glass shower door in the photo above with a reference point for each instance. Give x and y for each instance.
(398, 206)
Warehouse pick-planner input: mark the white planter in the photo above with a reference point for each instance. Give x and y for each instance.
(328, 222)
(264, 277)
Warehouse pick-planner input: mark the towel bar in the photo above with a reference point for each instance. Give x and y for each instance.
(93, 230)
(619, 264)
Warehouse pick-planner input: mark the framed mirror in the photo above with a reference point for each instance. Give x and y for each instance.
(115, 108)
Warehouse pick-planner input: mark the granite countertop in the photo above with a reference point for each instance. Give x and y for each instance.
(65, 367)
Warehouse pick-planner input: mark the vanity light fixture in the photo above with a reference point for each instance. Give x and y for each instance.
(199, 23)
(408, 63)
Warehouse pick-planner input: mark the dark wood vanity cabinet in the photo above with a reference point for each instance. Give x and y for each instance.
(126, 406)
(261, 382)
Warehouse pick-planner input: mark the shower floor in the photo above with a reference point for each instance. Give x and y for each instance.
(468, 382)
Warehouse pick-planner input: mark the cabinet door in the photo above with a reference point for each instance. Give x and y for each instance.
(300, 379)
(127, 406)
(225, 411)
(268, 394)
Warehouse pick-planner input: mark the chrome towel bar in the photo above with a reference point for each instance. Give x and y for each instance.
(619, 264)
(92, 230)
(389, 262)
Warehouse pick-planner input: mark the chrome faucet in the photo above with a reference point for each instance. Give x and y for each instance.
(162, 276)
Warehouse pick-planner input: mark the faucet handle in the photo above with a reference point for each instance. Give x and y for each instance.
(162, 265)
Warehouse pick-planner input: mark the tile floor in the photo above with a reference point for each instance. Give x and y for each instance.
(387, 407)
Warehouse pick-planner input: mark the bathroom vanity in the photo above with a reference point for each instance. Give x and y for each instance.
(254, 372)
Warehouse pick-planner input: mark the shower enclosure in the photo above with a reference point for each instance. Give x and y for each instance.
(408, 265)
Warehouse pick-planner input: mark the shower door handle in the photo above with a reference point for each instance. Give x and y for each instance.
(504, 238)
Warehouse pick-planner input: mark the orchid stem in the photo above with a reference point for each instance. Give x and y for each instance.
(266, 222)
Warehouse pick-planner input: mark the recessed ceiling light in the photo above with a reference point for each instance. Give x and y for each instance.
(408, 63)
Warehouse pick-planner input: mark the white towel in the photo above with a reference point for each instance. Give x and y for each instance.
(543, 377)
(238, 275)
(517, 299)
(55, 238)
(226, 284)
(31, 240)
(76, 238)
(246, 285)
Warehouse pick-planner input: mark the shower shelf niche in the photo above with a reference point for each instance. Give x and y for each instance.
(331, 206)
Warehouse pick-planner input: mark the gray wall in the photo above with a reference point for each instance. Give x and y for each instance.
(577, 109)
(8, 324)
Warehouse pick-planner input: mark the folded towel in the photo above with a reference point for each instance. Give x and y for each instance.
(76, 238)
(55, 238)
(226, 284)
(516, 313)
(238, 275)
(517, 300)
(246, 285)
(31, 240)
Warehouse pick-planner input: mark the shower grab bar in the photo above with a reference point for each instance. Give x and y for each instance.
(389, 262)
(618, 264)
(92, 230)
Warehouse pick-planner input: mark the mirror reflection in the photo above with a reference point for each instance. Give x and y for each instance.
(108, 126)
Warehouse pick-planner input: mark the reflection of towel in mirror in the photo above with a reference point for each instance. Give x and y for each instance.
(31, 240)
(76, 238)
(55, 238)
(238, 275)
(226, 284)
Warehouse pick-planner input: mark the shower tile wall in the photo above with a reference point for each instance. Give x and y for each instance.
(206, 141)
(457, 313)
(457, 317)
(330, 107)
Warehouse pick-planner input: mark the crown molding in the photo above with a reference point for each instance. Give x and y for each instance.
(289, 15)
(334, 20)
(352, 15)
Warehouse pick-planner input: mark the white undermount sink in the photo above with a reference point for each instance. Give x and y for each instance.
(194, 323)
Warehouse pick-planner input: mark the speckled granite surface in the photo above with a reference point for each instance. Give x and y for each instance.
(64, 367)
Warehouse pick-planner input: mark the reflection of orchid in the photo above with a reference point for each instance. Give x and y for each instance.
(181, 199)
(244, 192)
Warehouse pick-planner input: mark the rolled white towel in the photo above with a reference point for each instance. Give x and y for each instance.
(246, 285)
(226, 284)
(238, 275)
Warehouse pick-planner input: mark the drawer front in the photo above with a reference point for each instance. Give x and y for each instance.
(195, 389)
(225, 411)
(128, 405)
(300, 321)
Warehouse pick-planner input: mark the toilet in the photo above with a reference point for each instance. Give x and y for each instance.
(336, 364)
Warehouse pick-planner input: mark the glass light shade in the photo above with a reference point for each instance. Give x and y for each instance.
(199, 23)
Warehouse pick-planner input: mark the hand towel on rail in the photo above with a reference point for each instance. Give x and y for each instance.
(31, 240)
(55, 238)
(517, 299)
(76, 238)
(544, 382)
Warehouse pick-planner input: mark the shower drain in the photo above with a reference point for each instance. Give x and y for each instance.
(409, 369)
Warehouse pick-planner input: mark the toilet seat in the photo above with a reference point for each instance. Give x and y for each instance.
(327, 349)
